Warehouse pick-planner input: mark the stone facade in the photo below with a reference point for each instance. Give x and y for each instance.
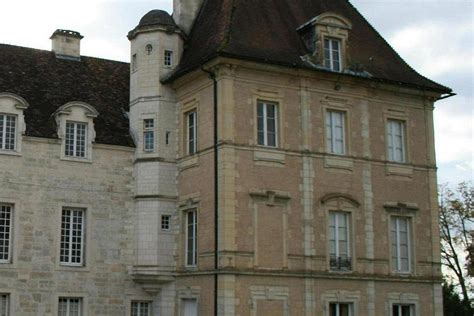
(275, 204)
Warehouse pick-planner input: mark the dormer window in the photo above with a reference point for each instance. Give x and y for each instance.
(326, 38)
(75, 127)
(12, 123)
(7, 132)
(332, 54)
(76, 137)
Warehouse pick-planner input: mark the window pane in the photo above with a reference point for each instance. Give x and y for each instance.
(191, 252)
(344, 310)
(333, 309)
(5, 232)
(192, 128)
(4, 300)
(10, 127)
(72, 236)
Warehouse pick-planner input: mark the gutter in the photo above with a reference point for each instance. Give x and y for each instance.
(451, 94)
(212, 76)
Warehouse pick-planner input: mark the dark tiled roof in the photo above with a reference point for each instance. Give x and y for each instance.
(47, 83)
(152, 19)
(265, 31)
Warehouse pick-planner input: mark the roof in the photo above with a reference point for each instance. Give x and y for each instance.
(265, 31)
(47, 82)
(152, 19)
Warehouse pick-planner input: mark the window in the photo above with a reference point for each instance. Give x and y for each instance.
(134, 62)
(165, 222)
(72, 237)
(332, 54)
(168, 58)
(5, 232)
(4, 304)
(396, 140)
(190, 307)
(403, 310)
(148, 134)
(341, 309)
(7, 132)
(400, 235)
(191, 238)
(140, 308)
(76, 136)
(69, 306)
(335, 132)
(191, 118)
(267, 117)
(339, 241)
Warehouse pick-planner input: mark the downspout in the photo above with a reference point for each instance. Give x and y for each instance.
(212, 76)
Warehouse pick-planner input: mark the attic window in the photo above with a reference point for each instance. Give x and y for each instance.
(326, 38)
(332, 54)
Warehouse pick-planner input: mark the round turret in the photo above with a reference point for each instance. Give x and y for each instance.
(154, 19)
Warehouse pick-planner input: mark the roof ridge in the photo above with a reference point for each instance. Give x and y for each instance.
(51, 52)
(390, 46)
(228, 28)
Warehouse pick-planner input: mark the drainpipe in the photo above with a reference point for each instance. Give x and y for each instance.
(212, 76)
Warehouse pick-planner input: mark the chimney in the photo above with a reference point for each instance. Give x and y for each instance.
(185, 12)
(66, 44)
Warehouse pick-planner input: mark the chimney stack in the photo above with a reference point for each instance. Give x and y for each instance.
(185, 12)
(66, 44)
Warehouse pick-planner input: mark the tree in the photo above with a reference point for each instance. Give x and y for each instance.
(452, 303)
(456, 221)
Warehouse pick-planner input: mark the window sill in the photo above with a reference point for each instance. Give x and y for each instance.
(74, 159)
(10, 152)
(398, 169)
(72, 268)
(339, 162)
(269, 155)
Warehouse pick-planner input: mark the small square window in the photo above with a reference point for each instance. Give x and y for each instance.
(141, 308)
(168, 58)
(165, 222)
(332, 54)
(4, 304)
(70, 306)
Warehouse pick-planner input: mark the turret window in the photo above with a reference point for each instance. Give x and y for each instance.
(191, 118)
(332, 54)
(168, 58)
(7, 132)
(148, 135)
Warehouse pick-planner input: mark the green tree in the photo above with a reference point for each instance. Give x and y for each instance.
(456, 221)
(452, 303)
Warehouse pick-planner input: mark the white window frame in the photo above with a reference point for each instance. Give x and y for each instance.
(331, 59)
(264, 129)
(4, 304)
(338, 310)
(8, 242)
(397, 263)
(330, 122)
(400, 306)
(347, 216)
(148, 129)
(191, 124)
(3, 141)
(191, 262)
(391, 140)
(139, 304)
(68, 304)
(69, 261)
(168, 58)
(166, 222)
(76, 153)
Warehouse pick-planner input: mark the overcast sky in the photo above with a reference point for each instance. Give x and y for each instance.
(435, 37)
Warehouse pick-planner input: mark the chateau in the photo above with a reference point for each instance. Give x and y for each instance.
(254, 158)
